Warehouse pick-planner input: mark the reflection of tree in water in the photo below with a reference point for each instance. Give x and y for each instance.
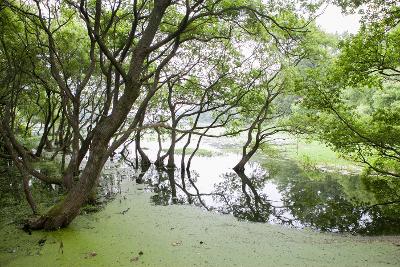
(165, 184)
(321, 204)
(143, 170)
(385, 210)
(337, 203)
(323, 201)
(237, 194)
(171, 186)
(243, 197)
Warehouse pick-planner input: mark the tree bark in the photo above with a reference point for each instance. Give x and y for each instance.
(239, 167)
(64, 212)
(144, 159)
(171, 151)
(28, 193)
(158, 160)
(171, 178)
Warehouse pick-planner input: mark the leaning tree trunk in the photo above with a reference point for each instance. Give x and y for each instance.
(44, 137)
(28, 194)
(159, 163)
(171, 151)
(144, 159)
(239, 167)
(64, 212)
(143, 170)
(158, 160)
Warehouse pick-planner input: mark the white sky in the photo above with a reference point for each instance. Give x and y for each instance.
(333, 21)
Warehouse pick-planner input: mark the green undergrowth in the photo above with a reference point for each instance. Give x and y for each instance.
(314, 155)
(316, 152)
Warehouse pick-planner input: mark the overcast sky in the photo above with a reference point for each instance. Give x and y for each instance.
(333, 21)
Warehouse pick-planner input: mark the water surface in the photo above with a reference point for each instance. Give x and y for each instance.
(279, 191)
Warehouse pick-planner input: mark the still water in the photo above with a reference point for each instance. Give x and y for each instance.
(279, 191)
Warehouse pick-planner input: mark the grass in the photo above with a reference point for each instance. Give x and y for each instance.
(313, 153)
(300, 150)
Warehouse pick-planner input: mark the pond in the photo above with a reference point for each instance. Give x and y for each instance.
(178, 222)
(279, 191)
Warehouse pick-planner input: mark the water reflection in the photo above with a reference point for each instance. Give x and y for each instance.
(286, 194)
(165, 188)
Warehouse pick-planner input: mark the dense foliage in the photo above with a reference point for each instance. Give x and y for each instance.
(82, 80)
(352, 99)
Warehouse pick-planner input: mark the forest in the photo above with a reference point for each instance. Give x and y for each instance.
(119, 117)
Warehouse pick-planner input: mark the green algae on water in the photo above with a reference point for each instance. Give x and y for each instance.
(182, 235)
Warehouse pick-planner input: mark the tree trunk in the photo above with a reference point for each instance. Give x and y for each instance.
(47, 125)
(159, 163)
(28, 193)
(183, 156)
(143, 170)
(42, 141)
(171, 151)
(64, 212)
(239, 167)
(158, 160)
(171, 178)
(144, 159)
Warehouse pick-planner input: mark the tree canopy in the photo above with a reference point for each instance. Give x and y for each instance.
(82, 80)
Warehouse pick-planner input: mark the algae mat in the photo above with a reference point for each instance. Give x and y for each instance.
(130, 231)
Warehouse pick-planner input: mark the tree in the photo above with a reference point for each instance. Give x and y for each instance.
(365, 71)
(106, 82)
(268, 104)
